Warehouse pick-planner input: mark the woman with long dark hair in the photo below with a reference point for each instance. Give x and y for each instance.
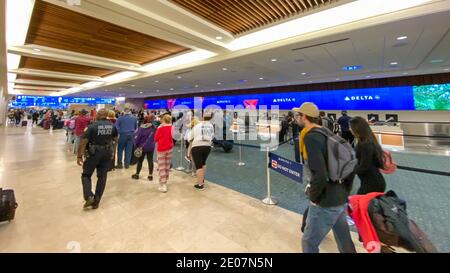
(370, 157)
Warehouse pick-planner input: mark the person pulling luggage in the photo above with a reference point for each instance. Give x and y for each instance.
(98, 144)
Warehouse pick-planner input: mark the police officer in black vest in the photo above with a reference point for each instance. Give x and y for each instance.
(97, 146)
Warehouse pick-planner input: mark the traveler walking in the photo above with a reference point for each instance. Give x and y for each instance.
(326, 121)
(328, 199)
(201, 139)
(81, 123)
(164, 139)
(370, 157)
(97, 145)
(112, 116)
(344, 123)
(145, 140)
(35, 117)
(126, 126)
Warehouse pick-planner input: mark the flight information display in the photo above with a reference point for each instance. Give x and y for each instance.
(424, 97)
(387, 98)
(57, 102)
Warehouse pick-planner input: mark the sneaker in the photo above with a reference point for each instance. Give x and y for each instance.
(135, 176)
(95, 205)
(163, 188)
(89, 202)
(199, 187)
(119, 167)
(150, 177)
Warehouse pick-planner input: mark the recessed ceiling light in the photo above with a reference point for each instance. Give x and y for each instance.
(219, 38)
(394, 63)
(337, 79)
(405, 73)
(36, 49)
(303, 73)
(261, 78)
(310, 81)
(141, 92)
(133, 85)
(156, 81)
(224, 68)
(171, 89)
(446, 69)
(436, 61)
(179, 77)
(274, 60)
(402, 38)
(196, 85)
(219, 83)
(157, 90)
(368, 76)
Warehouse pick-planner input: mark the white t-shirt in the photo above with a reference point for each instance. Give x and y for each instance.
(202, 134)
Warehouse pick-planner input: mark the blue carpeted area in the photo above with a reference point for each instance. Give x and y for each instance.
(427, 195)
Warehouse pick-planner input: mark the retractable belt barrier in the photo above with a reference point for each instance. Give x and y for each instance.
(423, 171)
(407, 135)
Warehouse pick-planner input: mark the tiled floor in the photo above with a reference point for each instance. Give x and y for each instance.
(134, 216)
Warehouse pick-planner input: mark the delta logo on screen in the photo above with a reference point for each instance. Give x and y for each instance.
(355, 98)
(171, 103)
(251, 104)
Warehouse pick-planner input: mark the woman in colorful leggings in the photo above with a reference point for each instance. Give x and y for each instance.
(164, 140)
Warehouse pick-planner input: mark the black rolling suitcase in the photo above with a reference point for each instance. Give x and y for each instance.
(8, 205)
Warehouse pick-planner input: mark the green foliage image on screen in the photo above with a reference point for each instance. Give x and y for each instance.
(432, 97)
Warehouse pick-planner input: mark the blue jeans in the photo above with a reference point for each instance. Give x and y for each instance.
(125, 143)
(320, 221)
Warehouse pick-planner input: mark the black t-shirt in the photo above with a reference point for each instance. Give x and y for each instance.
(101, 132)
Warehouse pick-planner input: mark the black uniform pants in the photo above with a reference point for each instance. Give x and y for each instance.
(101, 161)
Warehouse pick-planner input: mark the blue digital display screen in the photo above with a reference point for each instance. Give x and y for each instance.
(388, 98)
(57, 102)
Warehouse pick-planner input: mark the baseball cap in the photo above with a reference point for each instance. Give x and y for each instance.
(309, 109)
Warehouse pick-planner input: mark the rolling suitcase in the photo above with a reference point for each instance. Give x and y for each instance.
(8, 205)
(24, 123)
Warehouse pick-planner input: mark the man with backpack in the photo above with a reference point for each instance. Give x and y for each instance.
(330, 183)
(326, 121)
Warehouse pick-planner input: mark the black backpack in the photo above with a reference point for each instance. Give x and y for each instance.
(390, 220)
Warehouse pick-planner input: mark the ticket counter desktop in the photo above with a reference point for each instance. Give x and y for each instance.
(389, 136)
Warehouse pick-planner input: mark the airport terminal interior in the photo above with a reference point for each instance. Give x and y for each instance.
(224, 126)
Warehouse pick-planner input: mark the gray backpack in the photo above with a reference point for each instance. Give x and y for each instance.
(341, 158)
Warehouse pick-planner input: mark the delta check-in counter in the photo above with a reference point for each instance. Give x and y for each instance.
(389, 136)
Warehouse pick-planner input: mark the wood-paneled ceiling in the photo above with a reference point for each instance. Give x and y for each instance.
(56, 27)
(55, 66)
(239, 16)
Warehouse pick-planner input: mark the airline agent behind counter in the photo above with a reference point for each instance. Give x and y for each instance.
(98, 145)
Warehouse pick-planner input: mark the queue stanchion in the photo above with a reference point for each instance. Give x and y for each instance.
(180, 167)
(240, 163)
(269, 200)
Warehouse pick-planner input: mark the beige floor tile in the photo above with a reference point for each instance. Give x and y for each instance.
(133, 215)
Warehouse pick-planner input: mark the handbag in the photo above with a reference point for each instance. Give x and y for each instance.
(389, 166)
(140, 150)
